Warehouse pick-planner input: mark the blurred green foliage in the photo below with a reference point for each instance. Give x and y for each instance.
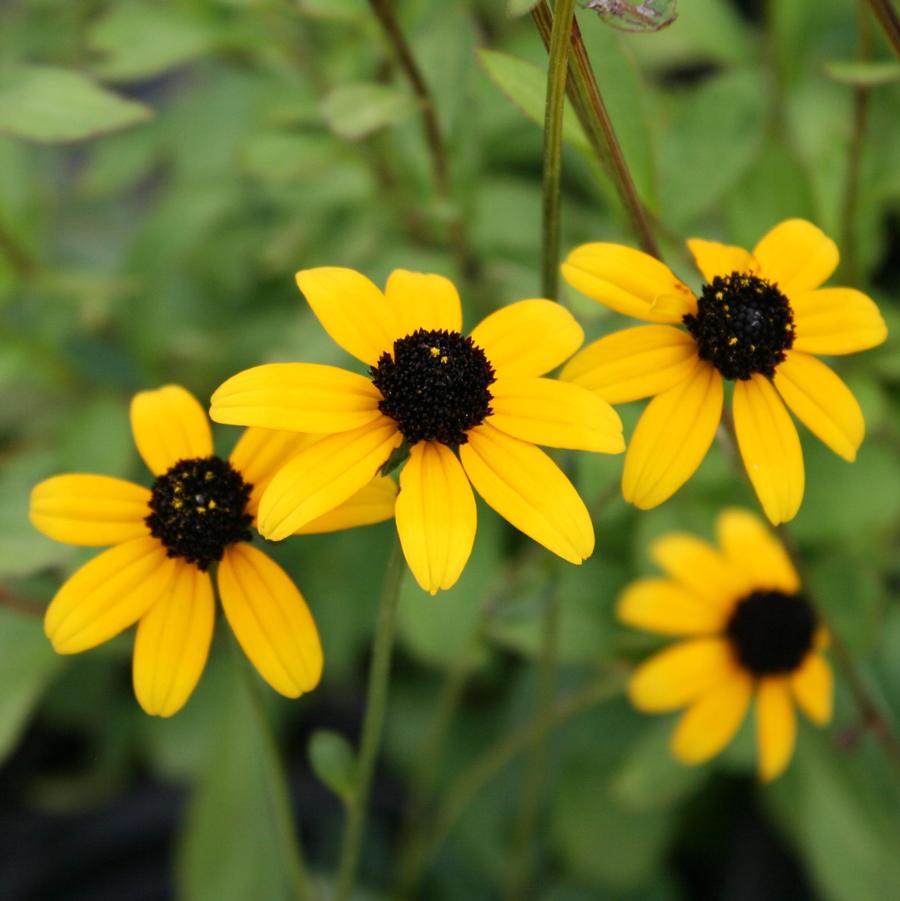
(166, 167)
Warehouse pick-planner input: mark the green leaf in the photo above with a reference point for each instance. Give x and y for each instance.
(239, 840)
(863, 74)
(516, 8)
(139, 40)
(27, 663)
(354, 111)
(525, 84)
(51, 105)
(334, 762)
(336, 10)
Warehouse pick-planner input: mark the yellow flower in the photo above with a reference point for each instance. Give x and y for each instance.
(469, 409)
(758, 321)
(748, 629)
(165, 538)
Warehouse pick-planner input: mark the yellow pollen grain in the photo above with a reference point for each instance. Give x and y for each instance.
(445, 359)
(732, 340)
(209, 475)
(212, 505)
(435, 351)
(178, 503)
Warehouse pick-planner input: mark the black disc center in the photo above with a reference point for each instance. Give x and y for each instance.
(199, 508)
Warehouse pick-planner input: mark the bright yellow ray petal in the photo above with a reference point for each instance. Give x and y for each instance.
(436, 516)
(770, 447)
(754, 551)
(710, 723)
(425, 301)
(679, 674)
(666, 607)
(169, 425)
(700, 568)
(351, 309)
(713, 258)
(776, 726)
(822, 402)
(297, 397)
(260, 453)
(523, 485)
(813, 687)
(324, 475)
(270, 620)
(89, 510)
(373, 503)
(796, 256)
(528, 338)
(836, 321)
(625, 280)
(634, 363)
(672, 438)
(555, 414)
(172, 643)
(108, 594)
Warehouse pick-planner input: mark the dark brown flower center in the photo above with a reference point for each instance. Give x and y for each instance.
(435, 386)
(199, 507)
(743, 324)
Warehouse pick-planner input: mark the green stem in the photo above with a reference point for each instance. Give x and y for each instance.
(373, 725)
(584, 92)
(889, 21)
(476, 777)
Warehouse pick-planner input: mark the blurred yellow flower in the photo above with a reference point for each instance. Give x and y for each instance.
(468, 409)
(759, 321)
(198, 511)
(748, 629)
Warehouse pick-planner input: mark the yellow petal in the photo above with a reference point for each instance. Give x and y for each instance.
(836, 321)
(813, 687)
(169, 425)
(776, 726)
(436, 516)
(260, 453)
(373, 503)
(529, 490)
(700, 568)
(770, 447)
(172, 643)
(424, 301)
(822, 402)
(108, 594)
(528, 338)
(672, 438)
(754, 551)
(710, 723)
(634, 363)
(297, 397)
(713, 258)
(270, 620)
(89, 510)
(555, 414)
(351, 309)
(324, 475)
(796, 256)
(666, 607)
(679, 674)
(625, 280)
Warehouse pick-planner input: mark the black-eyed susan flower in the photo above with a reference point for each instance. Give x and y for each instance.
(197, 513)
(748, 632)
(759, 321)
(469, 409)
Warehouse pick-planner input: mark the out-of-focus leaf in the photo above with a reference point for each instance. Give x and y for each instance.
(354, 111)
(334, 762)
(337, 10)
(520, 7)
(711, 143)
(526, 86)
(864, 74)
(139, 40)
(239, 840)
(281, 157)
(50, 105)
(27, 663)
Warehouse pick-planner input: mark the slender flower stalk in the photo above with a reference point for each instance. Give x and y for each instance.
(373, 725)
(584, 92)
(889, 21)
